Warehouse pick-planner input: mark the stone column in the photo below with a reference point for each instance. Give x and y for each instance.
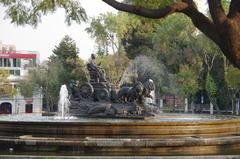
(211, 108)
(186, 105)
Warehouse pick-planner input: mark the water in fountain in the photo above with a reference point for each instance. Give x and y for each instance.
(63, 103)
(143, 68)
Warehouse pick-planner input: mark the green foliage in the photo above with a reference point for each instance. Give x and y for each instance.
(63, 66)
(232, 76)
(6, 89)
(186, 82)
(29, 12)
(67, 49)
(103, 29)
(114, 66)
(27, 87)
(211, 86)
(106, 29)
(137, 36)
(172, 43)
(67, 53)
(150, 3)
(46, 76)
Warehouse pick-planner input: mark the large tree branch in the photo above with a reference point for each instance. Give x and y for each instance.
(217, 11)
(234, 9)
(149, 13)
(186, 6)
(203, 23)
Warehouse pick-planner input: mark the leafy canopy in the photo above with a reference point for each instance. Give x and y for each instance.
(211, 86)
(232, 76)
(22, 12)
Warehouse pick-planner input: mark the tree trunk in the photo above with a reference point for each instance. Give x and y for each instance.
(233, 106)
(229, 32)
(214, 102)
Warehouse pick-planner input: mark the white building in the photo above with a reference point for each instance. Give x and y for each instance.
(18, 63)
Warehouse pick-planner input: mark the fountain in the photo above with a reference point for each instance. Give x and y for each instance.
(99, 98)
(63, 103)
(110, 123)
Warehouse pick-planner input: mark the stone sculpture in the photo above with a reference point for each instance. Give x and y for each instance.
(99, 98)
(137, 93)
(97, 74)
(75, 91)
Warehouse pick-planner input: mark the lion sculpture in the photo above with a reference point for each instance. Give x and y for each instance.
(137, 93)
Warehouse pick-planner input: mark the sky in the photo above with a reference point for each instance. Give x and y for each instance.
(52, 29)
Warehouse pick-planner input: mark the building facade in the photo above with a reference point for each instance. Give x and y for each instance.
(18, 63)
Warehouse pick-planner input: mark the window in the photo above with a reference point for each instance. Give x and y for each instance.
(34, 62)
(17, 73)
(6, 62)
(18, 62)
(14, 62)
(28, 108)
(11, 72)
(1, 63)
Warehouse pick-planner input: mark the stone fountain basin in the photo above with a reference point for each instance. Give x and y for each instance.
(167, 134)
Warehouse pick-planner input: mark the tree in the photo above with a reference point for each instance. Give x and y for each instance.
(222, 28)
(27, 86)
(46, 76)
(107, 31)
(6, 88)
(213, 63)
(232, 76)
(113, 70)
(63, 66)
(104, 30)
(30, 12)
(186, 82)
(67, 53)
(175, 43)
(211, 89)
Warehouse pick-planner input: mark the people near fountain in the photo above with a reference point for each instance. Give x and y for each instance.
(97, 73)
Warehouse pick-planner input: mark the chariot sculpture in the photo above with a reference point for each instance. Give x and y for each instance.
(98, 91)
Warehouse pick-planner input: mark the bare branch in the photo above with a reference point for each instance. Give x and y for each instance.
(212, 61)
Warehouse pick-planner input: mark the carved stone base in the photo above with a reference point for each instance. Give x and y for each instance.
(89, 108)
